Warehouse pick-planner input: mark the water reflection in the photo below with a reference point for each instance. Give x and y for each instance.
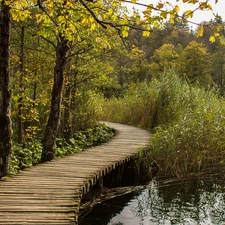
(187, 202)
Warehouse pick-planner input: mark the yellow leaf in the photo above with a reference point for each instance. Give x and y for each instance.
(218, 28)
(212, 39)
(93, 26)
(124, 33)
(110, 11)
(189, 14)
(61, 18)
(222, 40)
(216, 34)
(51, 4)
(210, 7)
(84, 20)
(91, 19)
(146, 33)
(97, 39)
(200, 31)
(171, 18)
(160, 5)
(114, 17)
(38, 17)
(164, 14)
(176, 8)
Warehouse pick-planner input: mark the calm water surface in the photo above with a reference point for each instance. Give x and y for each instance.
(196, 201)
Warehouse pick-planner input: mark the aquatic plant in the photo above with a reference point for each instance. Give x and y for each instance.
(191, 127)
(188, 123)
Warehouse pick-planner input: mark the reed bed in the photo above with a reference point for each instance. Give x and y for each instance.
(187, 123)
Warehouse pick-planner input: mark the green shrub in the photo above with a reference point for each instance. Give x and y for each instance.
(84, 139)
(85, 111)
(26, 156)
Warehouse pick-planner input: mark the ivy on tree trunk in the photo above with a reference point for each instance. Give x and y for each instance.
(49, 143)
(5, 98)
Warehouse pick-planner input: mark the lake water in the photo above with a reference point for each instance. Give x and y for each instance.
(192, 201)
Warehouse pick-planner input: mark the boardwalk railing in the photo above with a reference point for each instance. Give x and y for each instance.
(50, 193)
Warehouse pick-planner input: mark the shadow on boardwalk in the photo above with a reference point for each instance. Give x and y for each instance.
(50, 193)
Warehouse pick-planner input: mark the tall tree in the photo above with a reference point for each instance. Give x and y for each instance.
(218, 68)
(55, 111)
(5, 99)
(21, 75)
(164, 59)
(194, 63)
(67, 24)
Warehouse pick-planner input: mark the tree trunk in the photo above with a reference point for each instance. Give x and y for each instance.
(21, 91)
(54, 116)
(67, 110)
(120, 75)
(5, 98)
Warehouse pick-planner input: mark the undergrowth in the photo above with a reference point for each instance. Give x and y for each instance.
(30, 154)
(138, 107)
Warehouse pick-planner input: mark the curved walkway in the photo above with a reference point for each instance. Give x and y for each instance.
(50, 193)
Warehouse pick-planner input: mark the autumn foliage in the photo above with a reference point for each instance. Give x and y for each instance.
(64, 53)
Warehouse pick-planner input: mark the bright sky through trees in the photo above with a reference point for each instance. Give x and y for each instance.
(199, 15)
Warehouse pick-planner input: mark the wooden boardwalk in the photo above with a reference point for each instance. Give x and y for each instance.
(50, 193)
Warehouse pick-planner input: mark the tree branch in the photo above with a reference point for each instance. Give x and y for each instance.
(39, 2)
(49, 41)
(93, 15)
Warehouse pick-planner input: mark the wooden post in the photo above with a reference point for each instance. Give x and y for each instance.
(100, 184)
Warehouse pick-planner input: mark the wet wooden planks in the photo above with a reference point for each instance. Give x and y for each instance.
(50, 193)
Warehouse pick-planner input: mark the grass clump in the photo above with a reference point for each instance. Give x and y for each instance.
(190, 136)
(188, 123)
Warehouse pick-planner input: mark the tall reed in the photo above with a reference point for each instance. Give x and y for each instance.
(194, 137)
(188, 122)
(138, 107)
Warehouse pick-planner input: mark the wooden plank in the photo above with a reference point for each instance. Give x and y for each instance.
(50, 193)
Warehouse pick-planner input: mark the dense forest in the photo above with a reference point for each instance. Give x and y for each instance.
(65, 65)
